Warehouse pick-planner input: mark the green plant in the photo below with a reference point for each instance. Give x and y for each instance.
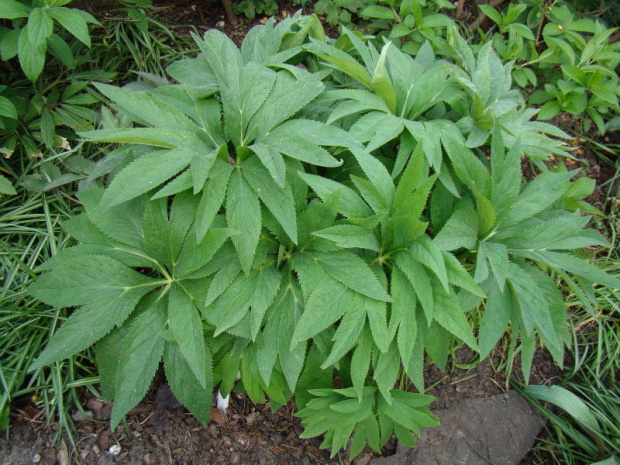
(31, 41)
(251, 8)
(269, 238)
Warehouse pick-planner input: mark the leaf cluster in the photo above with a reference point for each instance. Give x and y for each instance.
(303, 206)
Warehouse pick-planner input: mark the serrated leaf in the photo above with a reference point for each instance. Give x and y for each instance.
(132, 181)
(460, 231)
(139, 359)
(279, 200)
(147, 108)
(267, 286)
(499, 308)
(386, 372)
(122, 222)
(449, 314)
(107, 353)
(157, 137)
(291, 353)
(243, 214)
(272, 160)
(429, 255)
(403, 317)
(353, 272)
(212, 197)
(80, 280)
(185, 386)
(327, 303)
(459, 276)
(572, 264)
(350, 236)
(420, 281)
(350, 205)
(347, 334)
(195, 255)
(543, 191)
(186, 325)
(300, 148)
(361, 361)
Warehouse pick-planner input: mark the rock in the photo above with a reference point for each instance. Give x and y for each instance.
(498, 429)
(150, 459)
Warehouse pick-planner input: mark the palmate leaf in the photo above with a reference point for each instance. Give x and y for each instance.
(289, 306)
(420, 281)
(350, 236)
(213, 196)
(449, 314)
(403, 317)
(142, 351)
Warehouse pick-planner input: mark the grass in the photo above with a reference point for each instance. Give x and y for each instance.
(30, 233)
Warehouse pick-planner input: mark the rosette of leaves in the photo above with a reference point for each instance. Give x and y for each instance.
(249, 235)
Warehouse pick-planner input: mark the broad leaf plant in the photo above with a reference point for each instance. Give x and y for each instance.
(316, 216)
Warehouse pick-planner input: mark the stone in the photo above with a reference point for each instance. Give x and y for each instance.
(499, 429)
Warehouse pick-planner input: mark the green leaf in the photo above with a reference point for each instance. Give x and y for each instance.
(353, 272)
(6, 188)
(290, 306)
(139, 359)
(279, 200)
(572, 264)
(380, 12)
(107, 352)
(132, 182)
(31, 56)
(428, 254)
(74, 21)
(420, 281)
(568, 401)
(7, 109)
(267, 286)
(80, 280)
(40, 27)
(449, 314)
(272, 160)
(499, 308)
(403, 317)
(386, 372)
(186, 325)
(148, 108)
(195, 255)
(184, 384)
(212, 197)
(122, 223)
(300, 148)
(12, 9)
(361, 362)
(350, 205)
(542, 192)
(460, 231)
(157, 137)
(327, 303)
(350, 236)
(243, 214)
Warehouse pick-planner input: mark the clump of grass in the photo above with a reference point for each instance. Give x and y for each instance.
(30, 233)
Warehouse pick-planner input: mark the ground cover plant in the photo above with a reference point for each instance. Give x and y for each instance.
(317, 207)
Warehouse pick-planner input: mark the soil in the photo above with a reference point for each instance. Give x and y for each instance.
(159, 431)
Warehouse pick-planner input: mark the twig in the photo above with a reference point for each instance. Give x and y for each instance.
(481, 17)
(459, 9)
(615, 38)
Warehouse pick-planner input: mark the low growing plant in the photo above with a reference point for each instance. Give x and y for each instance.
(289, 226)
